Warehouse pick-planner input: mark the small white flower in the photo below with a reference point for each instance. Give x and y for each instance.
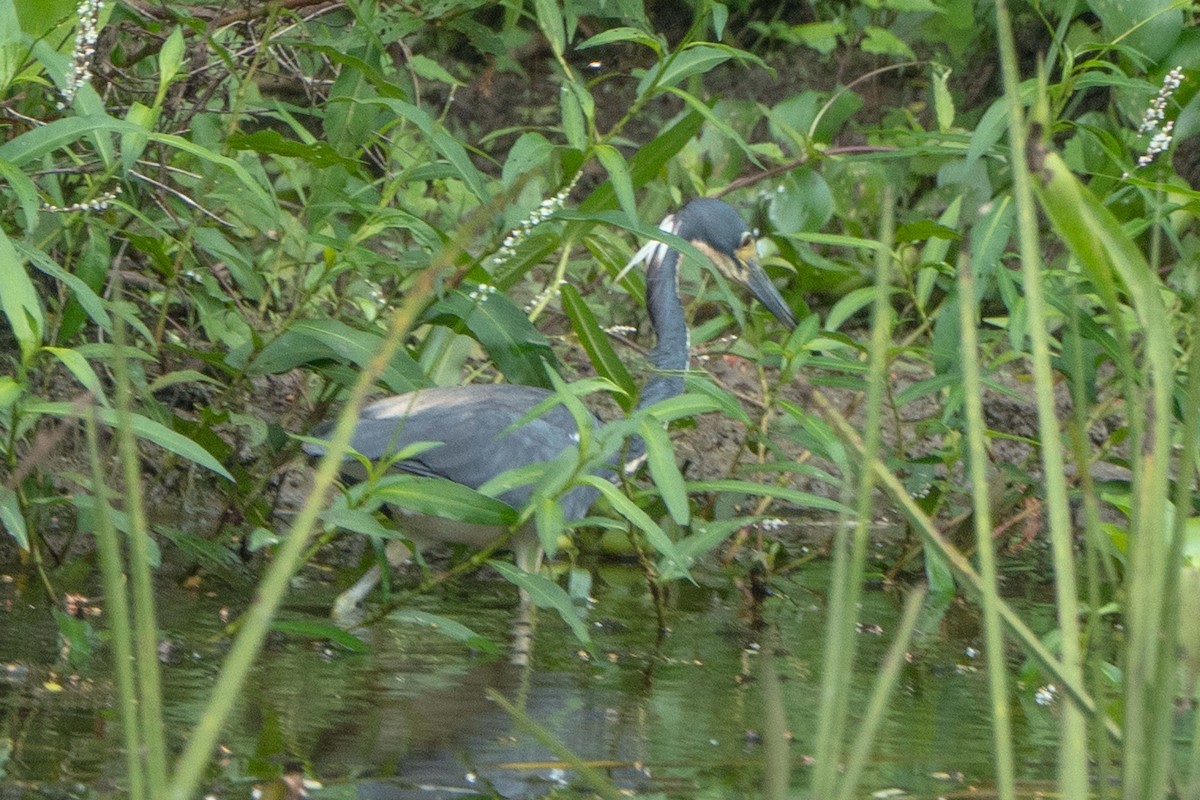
(88, 12)
(1046, 695)
(1153, 120)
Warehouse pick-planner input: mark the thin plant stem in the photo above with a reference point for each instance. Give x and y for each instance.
(849, 573)
(108, 547)
(966, 573)
(601, 785)
(153, 737)
(977, 467)
(885, 684)
(1073, 750)
(776, 761)
(257, 621)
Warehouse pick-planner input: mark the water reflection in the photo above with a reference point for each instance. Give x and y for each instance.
(411, 718)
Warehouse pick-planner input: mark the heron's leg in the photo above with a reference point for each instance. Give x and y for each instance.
(345, 607)
(529, 559)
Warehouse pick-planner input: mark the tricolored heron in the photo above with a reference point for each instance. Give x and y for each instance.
(476, 424)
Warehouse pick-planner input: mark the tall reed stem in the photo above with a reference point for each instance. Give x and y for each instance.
(1073, 746)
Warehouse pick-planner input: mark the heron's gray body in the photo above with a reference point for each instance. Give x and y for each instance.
(475, 425)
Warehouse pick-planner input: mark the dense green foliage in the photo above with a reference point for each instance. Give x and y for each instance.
(229, 209)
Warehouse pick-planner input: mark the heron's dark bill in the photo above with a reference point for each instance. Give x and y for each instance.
(765, 292)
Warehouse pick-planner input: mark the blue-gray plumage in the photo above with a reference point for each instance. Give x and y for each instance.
(474, 424)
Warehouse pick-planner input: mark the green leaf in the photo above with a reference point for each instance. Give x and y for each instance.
(444, 498)
(793, 496)
(19, 300)
(511, 340)
(318, 153)
(83, 294)
(618, 172)
(724, 127)
(720, 14)
(622, 34)
(660, 458)
(313, 340)
(430, 70)
(574, 116)
(1149, 26)
(170, 59)
(264, 201)
(548, 519)
(11, 517)
(550, 21)
(647, 163)
(595, 342)
(312, 629)
(820, 36)
(26, 192)
(545, 593)
(883, 42)
(640, 520)
(694, 60)
(144, 428)
(450, 148)
(943, 102)
(81, 369)
(447, 627)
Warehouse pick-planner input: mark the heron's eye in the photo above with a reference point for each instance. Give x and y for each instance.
(747, 238)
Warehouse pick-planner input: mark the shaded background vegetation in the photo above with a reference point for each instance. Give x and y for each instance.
(232, 199)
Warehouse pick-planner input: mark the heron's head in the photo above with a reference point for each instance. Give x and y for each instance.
(716, 229)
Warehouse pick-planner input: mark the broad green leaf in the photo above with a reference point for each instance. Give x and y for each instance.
(12, 518)
(660, 458)
(133, 144)
(430, 70)
(943, 102)
(820, 36)
(25, 190)
(548, 518)
(143, 428)
(550, 20)
(81, 369)
(318, 153)
(47, 138)
(694, 60)
(314, 629)
(793, 496)
(618, 172)
(10, 391)
(574, 121)
(264, 201)
(545, 593)
(170, 59)
(720, 14)
(647, 163)
(450, 148)
(19, 300)
(444, 498)
(511, 340)
(885, 43)
(595, 342)
(640, 520)
(83, 294)
(718, 123)
(313, 340)
(622, 34)
(1149, 26)
(447, 627)
(359, 520)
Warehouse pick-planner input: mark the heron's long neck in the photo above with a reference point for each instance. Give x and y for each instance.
(670, 355)
(669, 358)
